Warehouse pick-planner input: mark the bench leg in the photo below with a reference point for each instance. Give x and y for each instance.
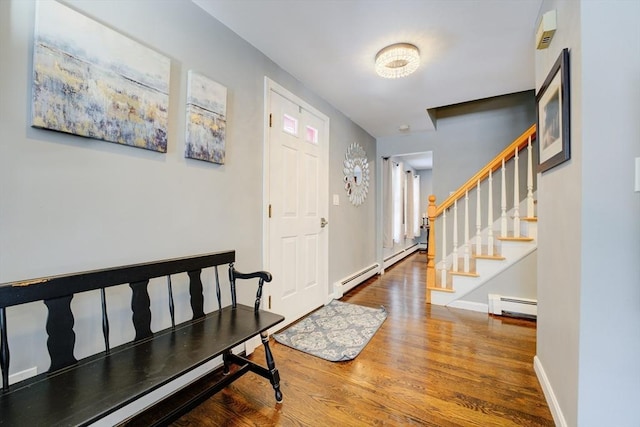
(226, 362)
(271, 365)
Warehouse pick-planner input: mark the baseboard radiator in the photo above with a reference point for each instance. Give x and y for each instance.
(513, 306)
(392, 259)
(354, 280)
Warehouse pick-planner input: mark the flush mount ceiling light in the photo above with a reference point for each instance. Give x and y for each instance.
(397, 60)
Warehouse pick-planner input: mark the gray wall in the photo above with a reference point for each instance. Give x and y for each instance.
(467, 137)
(70, 204)
(352, 242)
(588, 272)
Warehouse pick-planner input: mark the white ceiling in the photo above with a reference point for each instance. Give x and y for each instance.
(470, 49)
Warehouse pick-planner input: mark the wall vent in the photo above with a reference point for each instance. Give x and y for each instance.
(513, 306)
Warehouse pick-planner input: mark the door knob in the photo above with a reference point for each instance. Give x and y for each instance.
(323, 222)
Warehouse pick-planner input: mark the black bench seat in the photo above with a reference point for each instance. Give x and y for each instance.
(82, 392)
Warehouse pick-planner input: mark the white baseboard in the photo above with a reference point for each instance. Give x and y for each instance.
(552, 402)
(470, 305)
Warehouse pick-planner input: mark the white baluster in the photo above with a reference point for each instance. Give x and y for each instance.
(516, 197)
(454, 267)
(503, 204)
(466, 232)
(478, 222)
(490, 217)
(530, 212)
(443, 272)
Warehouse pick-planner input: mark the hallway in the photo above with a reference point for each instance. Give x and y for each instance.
(427, 365)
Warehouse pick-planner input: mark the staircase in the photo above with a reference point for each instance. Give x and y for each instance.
(503, 233)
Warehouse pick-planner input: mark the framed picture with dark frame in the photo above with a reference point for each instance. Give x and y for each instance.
(554, 126)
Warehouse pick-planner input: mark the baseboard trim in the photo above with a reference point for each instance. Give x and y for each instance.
(552, 402)
(470, 305)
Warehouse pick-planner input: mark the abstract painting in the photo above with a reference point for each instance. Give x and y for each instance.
(91, 81)
(206, 119)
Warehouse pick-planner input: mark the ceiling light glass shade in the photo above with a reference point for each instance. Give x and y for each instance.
(397, 60)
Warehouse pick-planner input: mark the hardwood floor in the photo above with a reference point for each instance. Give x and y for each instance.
(427, 366)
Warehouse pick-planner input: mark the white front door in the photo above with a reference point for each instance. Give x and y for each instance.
(296, 247)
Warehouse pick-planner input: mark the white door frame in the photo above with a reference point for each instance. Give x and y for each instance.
(269, 86)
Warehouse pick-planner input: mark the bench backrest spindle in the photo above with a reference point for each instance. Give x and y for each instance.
(218, 288)
(172, 309)
(59, 328)
(4, 350)
(197, 297)
(105, 321)
(141, 307)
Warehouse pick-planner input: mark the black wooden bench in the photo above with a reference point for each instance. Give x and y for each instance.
(80, 392)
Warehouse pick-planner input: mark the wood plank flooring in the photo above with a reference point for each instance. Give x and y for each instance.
(426, 366)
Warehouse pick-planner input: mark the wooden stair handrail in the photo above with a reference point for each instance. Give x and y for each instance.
(493, 165)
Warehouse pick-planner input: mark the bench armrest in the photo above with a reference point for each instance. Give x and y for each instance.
(264, 275)
(234, 274)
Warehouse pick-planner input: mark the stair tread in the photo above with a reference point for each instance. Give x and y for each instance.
(516, 239)
(490, 257)
(431, 288)
(462, 273)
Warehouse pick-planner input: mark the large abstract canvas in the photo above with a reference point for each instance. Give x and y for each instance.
(91, 81)
(206, 119)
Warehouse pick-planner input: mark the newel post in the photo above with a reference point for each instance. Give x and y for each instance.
(431, 250)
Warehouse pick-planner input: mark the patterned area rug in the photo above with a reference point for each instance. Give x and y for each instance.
(336, 332)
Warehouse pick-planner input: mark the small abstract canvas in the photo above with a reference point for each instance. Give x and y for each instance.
(91, 81)
(206, 119)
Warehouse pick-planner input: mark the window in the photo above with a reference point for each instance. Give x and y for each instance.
(311, 135)
(290, 124)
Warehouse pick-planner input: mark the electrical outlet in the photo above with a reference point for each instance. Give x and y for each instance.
(336, 200)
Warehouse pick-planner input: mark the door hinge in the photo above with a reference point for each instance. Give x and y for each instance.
(269, 210)
(270, 120)
(269, 302)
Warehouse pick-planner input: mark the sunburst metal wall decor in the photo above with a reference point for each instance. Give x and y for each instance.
(356, 174)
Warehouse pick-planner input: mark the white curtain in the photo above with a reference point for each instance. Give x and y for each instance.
(413, 205)
(409, 224)
(416, 206)
(398, 199)
(405, 206)
(387, 203)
